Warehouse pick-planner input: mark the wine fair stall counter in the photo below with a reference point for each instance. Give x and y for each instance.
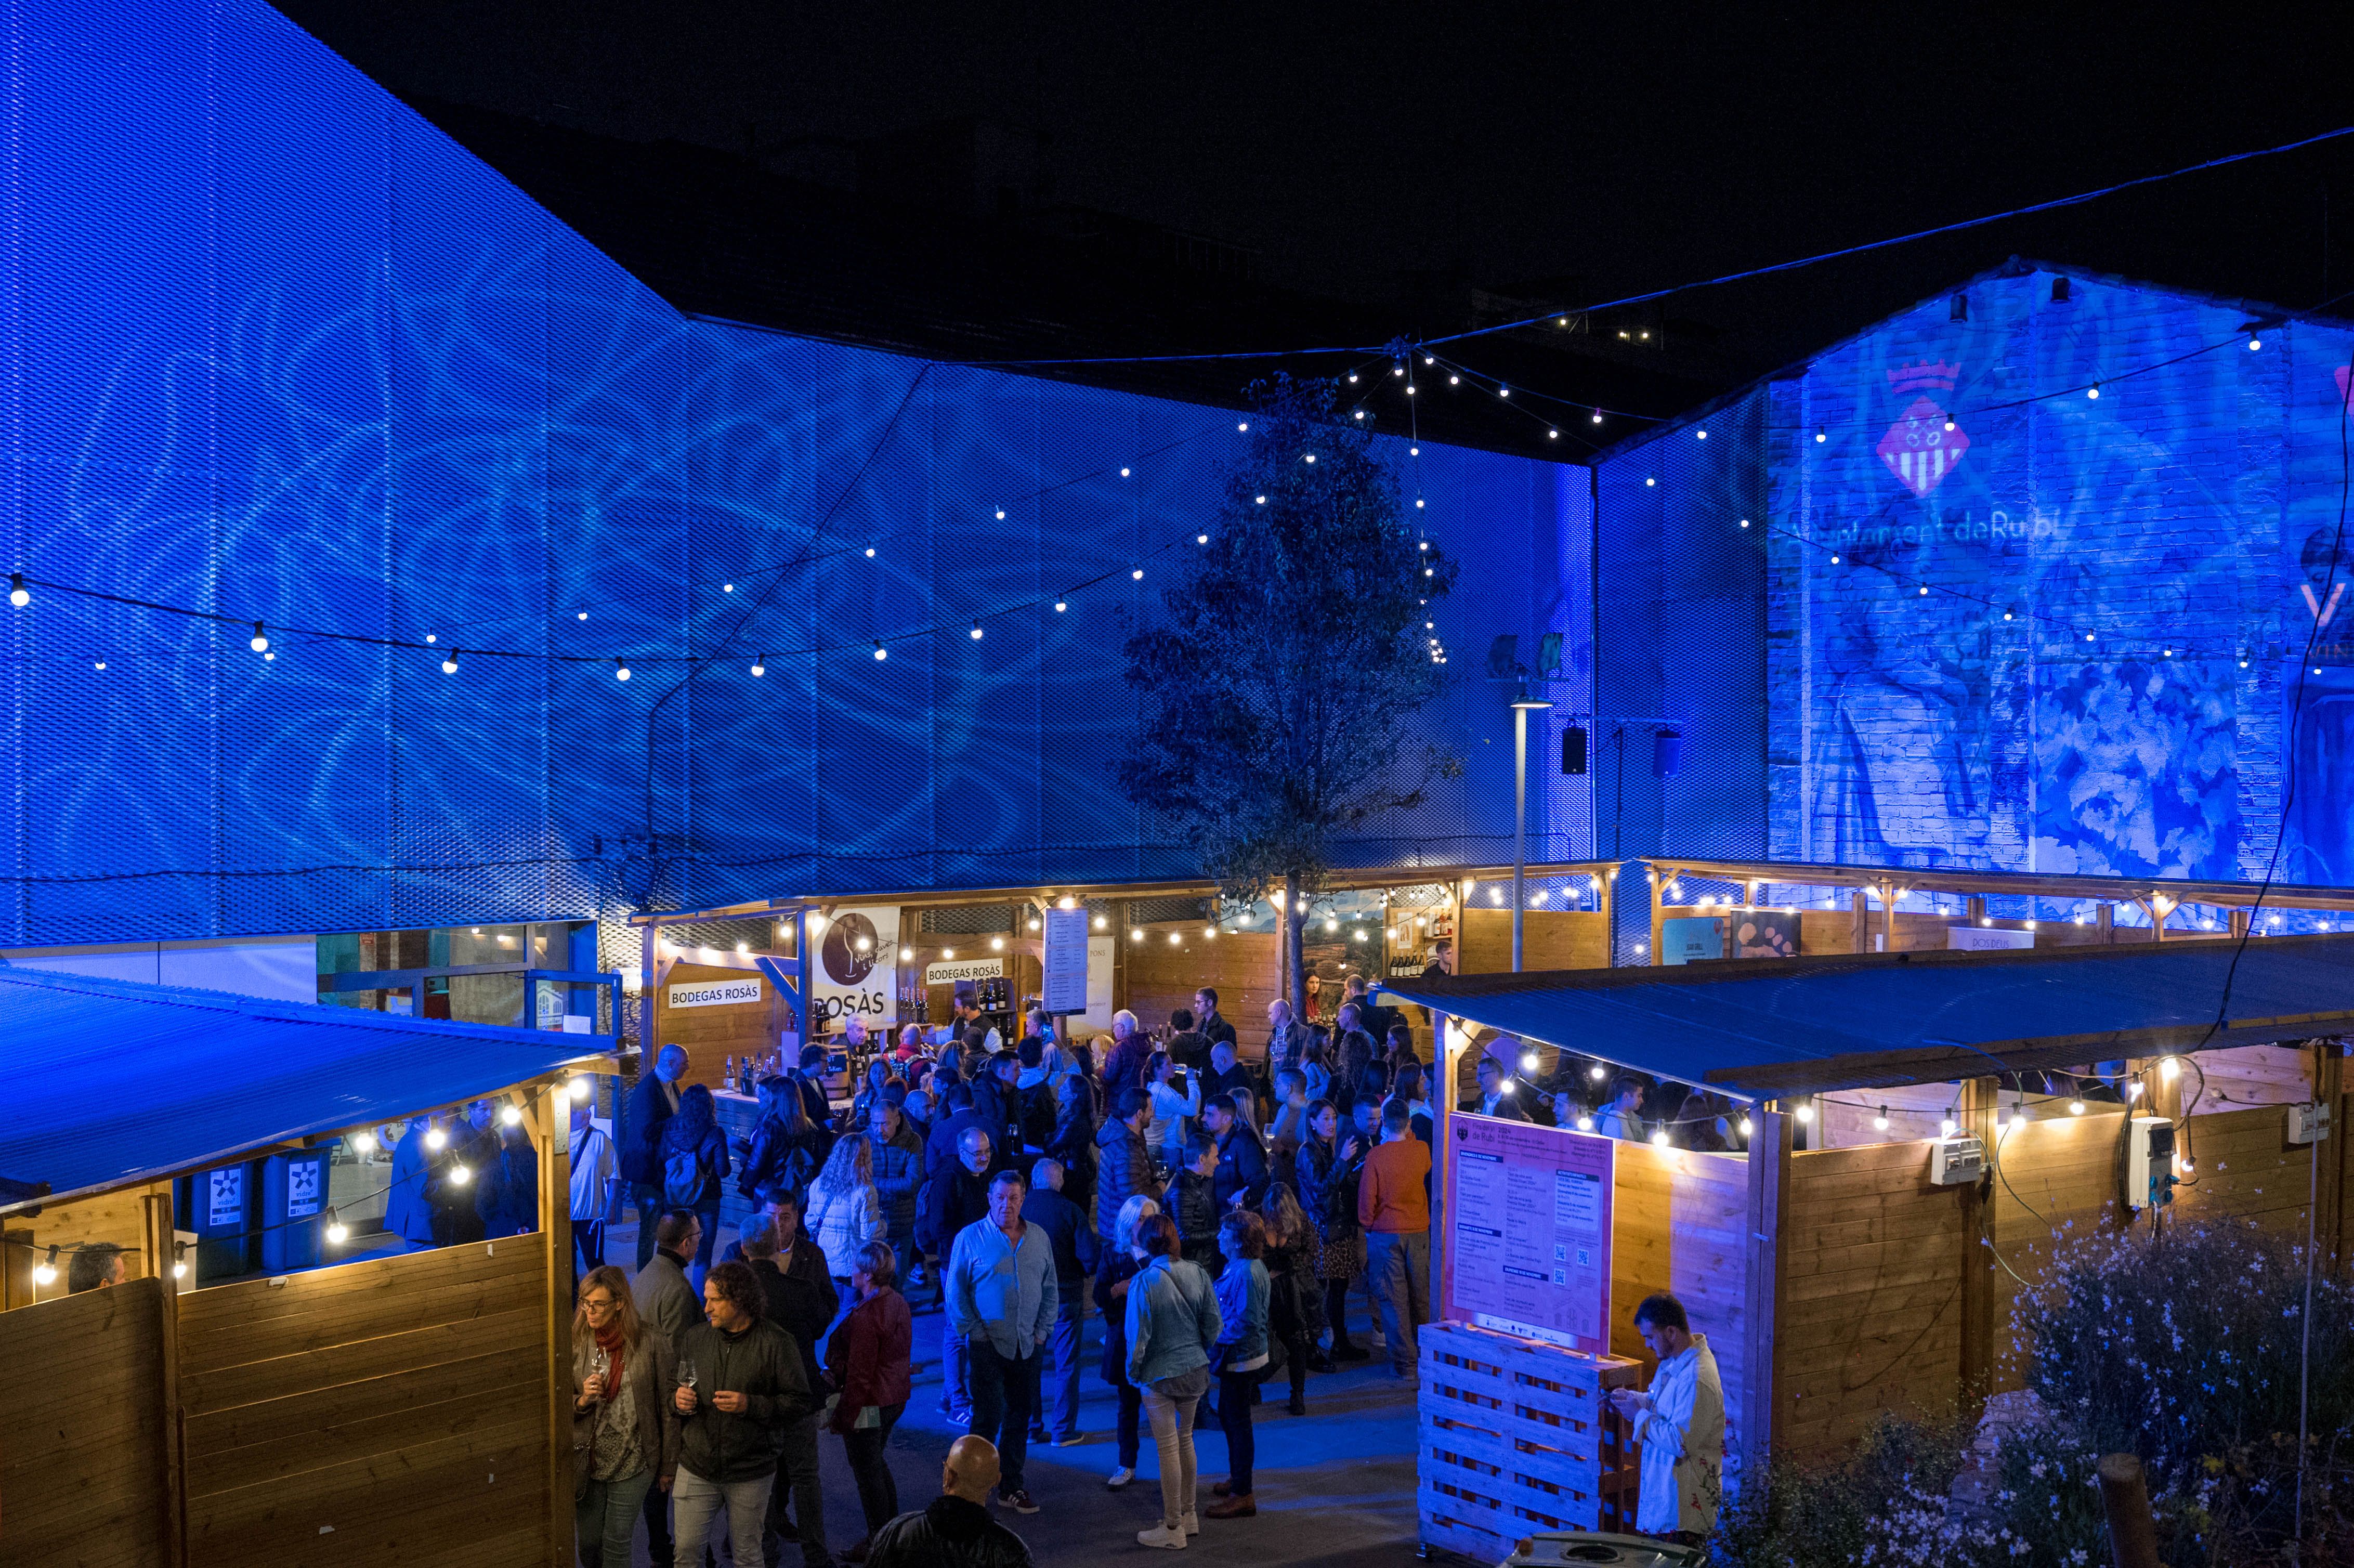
(1875, 1275)
(726, 981)
(414, 1406)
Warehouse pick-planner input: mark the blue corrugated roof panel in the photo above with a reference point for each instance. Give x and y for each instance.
(113, 1082)
(1775, 1026)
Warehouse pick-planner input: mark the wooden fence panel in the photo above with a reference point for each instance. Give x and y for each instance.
(83, 1470)
(379, 1411)
(1871, 1318)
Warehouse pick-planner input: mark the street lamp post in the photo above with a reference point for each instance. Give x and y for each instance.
(1522, 705)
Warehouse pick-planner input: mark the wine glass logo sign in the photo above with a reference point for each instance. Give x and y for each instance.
(850, 950)
(1924, 444)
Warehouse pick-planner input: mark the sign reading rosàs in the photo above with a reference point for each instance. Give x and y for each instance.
(856, 974)
(718, 993)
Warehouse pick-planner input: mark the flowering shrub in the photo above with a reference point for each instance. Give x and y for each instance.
(2182, 1347)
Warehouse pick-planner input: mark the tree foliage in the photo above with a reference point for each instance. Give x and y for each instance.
(1290, 649)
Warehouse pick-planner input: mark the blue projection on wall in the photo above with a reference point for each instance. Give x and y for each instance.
(2041, 577)
(277, 350)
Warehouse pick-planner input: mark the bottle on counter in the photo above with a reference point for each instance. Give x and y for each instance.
(727, 1077)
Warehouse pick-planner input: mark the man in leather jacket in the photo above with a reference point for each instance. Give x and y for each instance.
(956, 1529)
(748, 1386)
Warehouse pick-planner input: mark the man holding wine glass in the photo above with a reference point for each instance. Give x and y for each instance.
(740, 1384)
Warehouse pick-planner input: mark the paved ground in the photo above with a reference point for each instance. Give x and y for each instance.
(1335, 1487)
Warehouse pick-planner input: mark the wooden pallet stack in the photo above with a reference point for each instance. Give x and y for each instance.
(1517, 1435)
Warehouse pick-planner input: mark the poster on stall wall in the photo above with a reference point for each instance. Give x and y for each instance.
(1690, 938)
(856, 974)
(1764, 934)
(1986, 939)
(1527, 1247)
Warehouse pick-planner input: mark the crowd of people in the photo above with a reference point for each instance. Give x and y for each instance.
(1217, 1218)
(1221, 1219)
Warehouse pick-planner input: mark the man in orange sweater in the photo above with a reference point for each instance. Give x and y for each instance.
(1393, 1207)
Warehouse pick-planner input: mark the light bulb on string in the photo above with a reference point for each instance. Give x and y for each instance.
(432, 637)
(436, 1139)
(2254, 344)
(759, 663)
(450, 662)
(179, 1260)
(1455, 381)
(881, 653)
(100, 665)
(1806, 1112)
(1946, 1126)
(583, 615)
(1061, 605)
(1553, 435)
(1201, 538)
(976, 629)
(1138, 574)
(2093, 391)
(870, 552)
(1123, 473)
(1701, 435)
(1001, 515)
(261, 642)
(46, 1271)
(18, 594)
(621, 668)
(581, 1087)
(460, 1175)
(1879, 1121)
(338, 1233)
(1586, 1123)
(510, 1114)
(1821, 435)
(1597, 416)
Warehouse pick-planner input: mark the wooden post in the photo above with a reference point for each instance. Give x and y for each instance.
(2105, 922)
(1860, 937)
(552, 1133)
(1888, 912)
(1976, 907)
(2155, 907)
(1605, 884)
(2329, 1213)
(156, 1241)
(2239, 924)
(2125, 1494)
(1659, 916)
(1978, 1332)
(1765, 1289)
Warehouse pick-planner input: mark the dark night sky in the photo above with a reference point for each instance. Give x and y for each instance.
(1607, 150)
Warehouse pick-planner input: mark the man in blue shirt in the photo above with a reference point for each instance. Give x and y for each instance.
(1001, 1302)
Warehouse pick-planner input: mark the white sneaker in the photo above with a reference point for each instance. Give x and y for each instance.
(1192, 1522)
(1119, 1478)
(1161, 1537)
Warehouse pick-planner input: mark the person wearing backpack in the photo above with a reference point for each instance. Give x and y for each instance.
(786, 1149)
(693, 1161)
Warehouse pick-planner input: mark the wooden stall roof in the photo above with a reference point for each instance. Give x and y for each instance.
(1760, 1028)
(115, 1083)
(949, 898)
(2008, 884)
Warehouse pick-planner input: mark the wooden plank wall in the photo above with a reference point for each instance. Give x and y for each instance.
(1240, 965)
(1679, 1223)
(2255, 1075)
(712, 1034)
(1873, 1304)
(390, 1410)
(2056, 1178)
(1918, 931)
(1550, 939)
(83, 1469)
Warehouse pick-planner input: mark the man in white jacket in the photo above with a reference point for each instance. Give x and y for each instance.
(1679, 1424)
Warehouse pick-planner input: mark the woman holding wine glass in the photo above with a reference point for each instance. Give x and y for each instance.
(624, 1429)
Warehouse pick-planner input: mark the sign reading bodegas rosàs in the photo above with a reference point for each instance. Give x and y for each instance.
(735, 991)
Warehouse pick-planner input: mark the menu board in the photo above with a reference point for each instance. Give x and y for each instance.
(1528, 1241)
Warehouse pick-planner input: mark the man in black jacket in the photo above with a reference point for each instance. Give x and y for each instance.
(1210, 1023)
(1123, 1168)
(746, 1385)
(957, 1116)
(956, 1531)
(800, 1299)
(1241, 1181)
(1072, 1235)
(1185, 1044)
(997, 1106)
(648, 1110)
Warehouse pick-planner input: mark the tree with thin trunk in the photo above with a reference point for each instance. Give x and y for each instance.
(1299, 637)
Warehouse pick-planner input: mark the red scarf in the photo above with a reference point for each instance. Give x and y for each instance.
(609, 1341)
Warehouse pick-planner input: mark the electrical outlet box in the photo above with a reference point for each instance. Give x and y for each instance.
(2150, 1162)
(2309, 1123)
(1956, 1161)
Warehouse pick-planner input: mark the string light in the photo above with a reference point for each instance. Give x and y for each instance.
(621, 668)
(363, 1143)
(726, 587)
(1879, 1122)
(1806, 1112)
(450, 662)
(512, 1113)
(1123, 473)
(2076, 1108)
(1138, 574)
(1598, 1072)
(976, 629)
(1659, 1139)
(1137, 935)
(1946, 1126)
(760, 662)
(1586, 1123)
(338, 1233)
(2093, 391)
(870, 552)
(1821, 434)
(1060, 606)
(460, 1175)
(261, 642)
(46, 1271)
(18, 594)
(580, 1087)
(436, 1139)
(179, 1260)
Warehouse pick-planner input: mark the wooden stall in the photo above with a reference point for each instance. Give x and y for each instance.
(1840, 1282)
(412, 1407)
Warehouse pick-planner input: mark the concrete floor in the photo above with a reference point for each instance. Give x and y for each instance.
(1336, 1487)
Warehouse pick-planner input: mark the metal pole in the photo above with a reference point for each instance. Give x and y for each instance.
(1520, 821)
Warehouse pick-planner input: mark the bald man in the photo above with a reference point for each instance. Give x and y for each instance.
(955, 1530)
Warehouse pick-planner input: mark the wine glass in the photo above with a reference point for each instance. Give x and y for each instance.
(686, 1373)
(599, 1364)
